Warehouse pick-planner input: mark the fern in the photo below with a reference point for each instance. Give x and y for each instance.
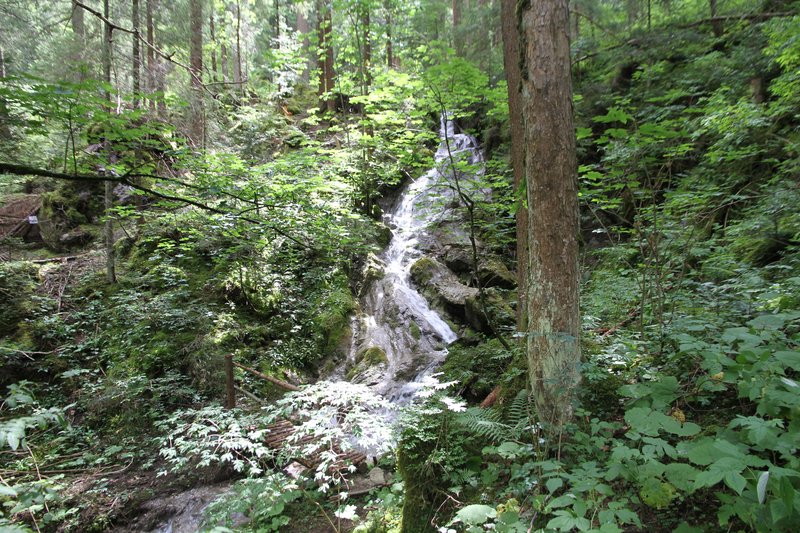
(495, 425)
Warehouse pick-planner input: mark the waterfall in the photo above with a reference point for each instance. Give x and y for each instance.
(394, 316)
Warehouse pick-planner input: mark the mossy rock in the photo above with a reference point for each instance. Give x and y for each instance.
(369, 366)
(374, 355)
(423, 270)
(70, 206)
(500, 311)
(415, 331)
(494, 273)
(332, 323)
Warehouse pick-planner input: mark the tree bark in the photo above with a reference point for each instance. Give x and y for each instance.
(196, 66)
(237, 64)
(366, 56)
(136, 65)
(108, 197)
(553, 348)
(511, 61)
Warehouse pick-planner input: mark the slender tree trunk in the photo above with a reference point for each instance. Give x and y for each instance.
(214, 66)
(304, 29)
(136, 66)
(458, 41)
(5, 129)
(553, 324)
(196, 67)
(511, 61)
(366, 56)
(389, 44)
(237, 64)
(325, 61)
(108, 200)
(716, 25)
(277, 8)
(79, 41)
(150, 54)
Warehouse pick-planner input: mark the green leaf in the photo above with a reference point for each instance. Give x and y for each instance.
(553, 484)
(790, 359)
(475, 514)
(736, 482)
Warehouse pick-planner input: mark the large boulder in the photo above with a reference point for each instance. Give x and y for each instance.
(441, 286)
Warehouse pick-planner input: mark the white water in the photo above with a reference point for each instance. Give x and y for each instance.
(392, 304)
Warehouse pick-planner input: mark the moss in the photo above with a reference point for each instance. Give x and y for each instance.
(479, 367)
(17, 283)
(422, 270)
(372, 356)
(419, 495)
(332, 324)
(415, 331)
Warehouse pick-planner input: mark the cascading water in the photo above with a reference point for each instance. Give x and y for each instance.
(396, 320)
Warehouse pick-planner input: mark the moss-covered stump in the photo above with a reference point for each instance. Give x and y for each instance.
(420, 496)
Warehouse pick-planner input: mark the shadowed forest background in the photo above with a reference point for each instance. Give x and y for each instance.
(355, 209)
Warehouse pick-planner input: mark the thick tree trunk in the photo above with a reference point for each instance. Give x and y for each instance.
(196, 68)
(136, 65)
(553, 346)
(511, 60)
(108, 200)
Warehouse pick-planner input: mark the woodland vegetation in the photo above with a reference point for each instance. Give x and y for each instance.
(191, 189)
